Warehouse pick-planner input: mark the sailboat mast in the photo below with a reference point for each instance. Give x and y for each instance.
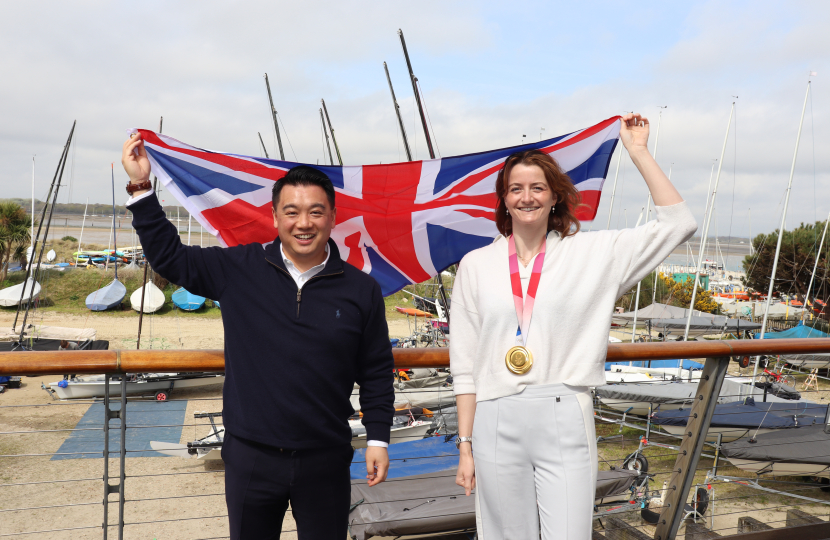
(331, 128)
(146, 264)
(263, 144)
(400, 120)
(414, 80)
(56, 184)
(114, 232)
(83, 224)
(647, 209)
(323, 123)
(614, 189)
(815, 266)
(781, 228)
(707, 221)
(32, 234)
(274, 116)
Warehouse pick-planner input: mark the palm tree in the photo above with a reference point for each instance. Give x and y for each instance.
(15, 234)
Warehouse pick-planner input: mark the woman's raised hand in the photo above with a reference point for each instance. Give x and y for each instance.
(134, 159)
(634, 132)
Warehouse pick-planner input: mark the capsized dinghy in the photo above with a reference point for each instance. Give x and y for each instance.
(738, 419)
(107, 297)
(10, 296)
(187, 301)
(153, 298)
(788, 452)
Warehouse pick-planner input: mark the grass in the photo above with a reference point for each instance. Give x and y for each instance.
(66, 292)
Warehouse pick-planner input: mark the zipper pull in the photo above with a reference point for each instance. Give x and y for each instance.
(299, 297)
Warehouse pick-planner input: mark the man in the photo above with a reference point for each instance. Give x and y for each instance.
(301, 326)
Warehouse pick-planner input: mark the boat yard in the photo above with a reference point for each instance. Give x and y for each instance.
(49, 460)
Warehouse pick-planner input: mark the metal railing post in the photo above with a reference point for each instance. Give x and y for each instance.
(682, 476)
(105, 525)
(122, 456)
(110, 414)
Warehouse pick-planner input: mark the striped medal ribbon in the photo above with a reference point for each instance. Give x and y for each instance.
(519, 359)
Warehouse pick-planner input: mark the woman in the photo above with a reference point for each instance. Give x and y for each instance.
(525, 413)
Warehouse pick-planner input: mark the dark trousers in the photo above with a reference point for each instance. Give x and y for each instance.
(261, 480)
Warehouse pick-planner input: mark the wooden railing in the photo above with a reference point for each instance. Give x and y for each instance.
(716, 353)
(169, 360)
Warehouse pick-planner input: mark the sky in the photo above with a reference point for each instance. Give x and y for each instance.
(490, 73)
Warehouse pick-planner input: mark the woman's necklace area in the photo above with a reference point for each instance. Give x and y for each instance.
(526, 261)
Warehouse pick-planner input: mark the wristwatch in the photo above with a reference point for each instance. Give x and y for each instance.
(459, 440)
(132, 188)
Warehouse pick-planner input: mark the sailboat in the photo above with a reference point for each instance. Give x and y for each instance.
(153, 298)
(11, 296)
(187, 301)
(111, 295)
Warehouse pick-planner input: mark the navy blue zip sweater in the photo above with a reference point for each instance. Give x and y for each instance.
(291, 356)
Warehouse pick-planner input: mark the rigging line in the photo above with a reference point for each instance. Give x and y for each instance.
(620, 210)
(286, 136)
(813, 141)
(424, 102)
(734, 182)
(72, 170)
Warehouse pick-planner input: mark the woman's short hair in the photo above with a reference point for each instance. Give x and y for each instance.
(568, 198)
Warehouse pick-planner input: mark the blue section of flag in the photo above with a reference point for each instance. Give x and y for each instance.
(195, 180)
(456, 167)
(390, 280)
(447, 247)
(595, 166)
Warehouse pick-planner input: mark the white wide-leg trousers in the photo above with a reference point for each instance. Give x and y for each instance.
(536, 464)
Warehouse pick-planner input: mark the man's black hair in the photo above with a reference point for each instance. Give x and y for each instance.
(303, 175)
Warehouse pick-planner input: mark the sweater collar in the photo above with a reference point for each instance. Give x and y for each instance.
(334, 264)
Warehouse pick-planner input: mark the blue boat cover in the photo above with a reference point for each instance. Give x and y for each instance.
(107, 297)
(153, 422)
(687, 364)
(186, 300)
(799, 331)
(411, 458)
(752, 415)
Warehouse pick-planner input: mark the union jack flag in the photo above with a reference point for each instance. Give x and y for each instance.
(401, 223)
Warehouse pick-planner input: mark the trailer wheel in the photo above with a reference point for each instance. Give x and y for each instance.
(702, 498)
(162, 395)
(742, 361)
(636, 462)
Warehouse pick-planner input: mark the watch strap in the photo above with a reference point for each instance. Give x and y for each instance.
(141, 186)
(460, 440)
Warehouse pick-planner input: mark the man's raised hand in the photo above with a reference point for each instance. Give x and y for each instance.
(134, 159)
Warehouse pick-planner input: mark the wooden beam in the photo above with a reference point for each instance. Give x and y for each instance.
(796, 517)
(818, 531)
(149, 361)
(750, 524)
(683, 473)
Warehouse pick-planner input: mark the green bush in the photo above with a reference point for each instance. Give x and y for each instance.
(69, 239)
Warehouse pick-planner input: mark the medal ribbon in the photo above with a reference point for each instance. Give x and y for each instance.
(524, 307)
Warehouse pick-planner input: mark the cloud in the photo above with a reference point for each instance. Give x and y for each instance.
(488, 76)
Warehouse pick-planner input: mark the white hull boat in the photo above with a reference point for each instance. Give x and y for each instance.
(92, 386)
(10, 296)
(210, 447)
(398, 434)
(153, 298)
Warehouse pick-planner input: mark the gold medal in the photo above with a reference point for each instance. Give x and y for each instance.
(518, 360)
